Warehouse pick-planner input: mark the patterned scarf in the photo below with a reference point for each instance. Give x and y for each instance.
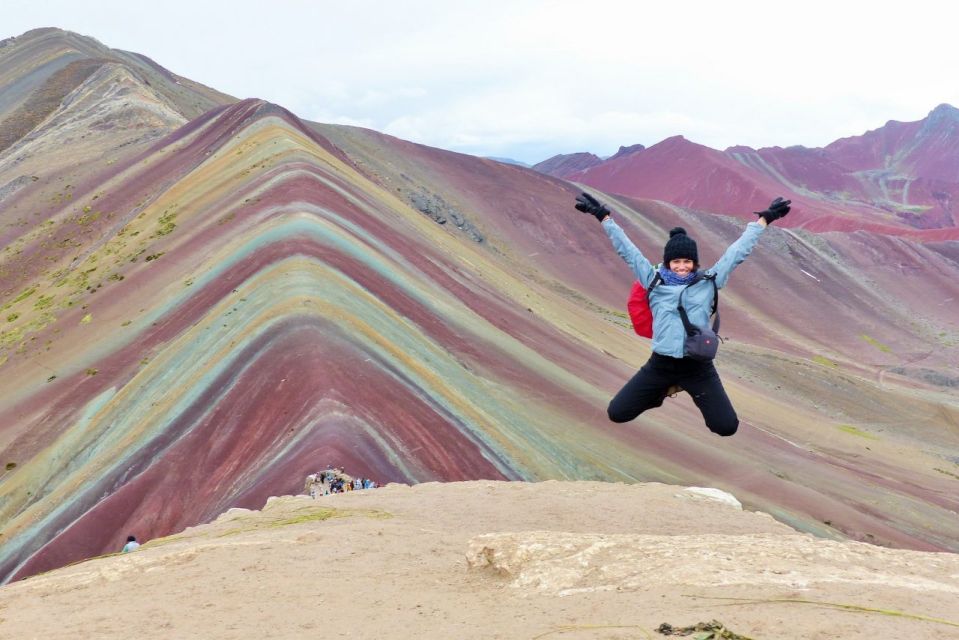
(671, 278)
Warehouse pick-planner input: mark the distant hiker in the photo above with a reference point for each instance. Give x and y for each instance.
(131, 544)
(310, 485)
(325, 480)
(681, 300)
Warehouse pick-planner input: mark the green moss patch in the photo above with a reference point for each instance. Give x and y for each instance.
(159, 542)
(23, 296)
(848, 428)
(301, 516)
(876, 343)
(166, 224)
(824, 361)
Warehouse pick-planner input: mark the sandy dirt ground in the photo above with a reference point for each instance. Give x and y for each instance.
(571, 561)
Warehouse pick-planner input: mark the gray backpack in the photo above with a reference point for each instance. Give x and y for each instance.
(701, 343)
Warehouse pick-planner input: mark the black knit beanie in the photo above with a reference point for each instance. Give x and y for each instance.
(680, 246)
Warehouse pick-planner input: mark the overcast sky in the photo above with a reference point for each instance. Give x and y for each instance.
(528, 79)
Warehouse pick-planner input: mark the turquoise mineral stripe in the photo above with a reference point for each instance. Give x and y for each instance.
(71, 444)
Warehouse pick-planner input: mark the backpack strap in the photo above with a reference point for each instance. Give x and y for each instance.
(690, 328)
(657, 280)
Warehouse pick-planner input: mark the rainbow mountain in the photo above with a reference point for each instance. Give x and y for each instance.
(205, 299)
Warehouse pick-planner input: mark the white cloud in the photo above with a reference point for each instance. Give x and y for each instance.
(530, 78)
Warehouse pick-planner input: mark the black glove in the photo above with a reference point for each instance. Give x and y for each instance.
(588, 204)
(776, 210)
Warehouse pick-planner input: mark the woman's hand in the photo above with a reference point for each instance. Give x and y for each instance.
(588, 204)
(777, 209)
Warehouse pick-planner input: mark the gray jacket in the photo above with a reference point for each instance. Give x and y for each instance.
(669, 335)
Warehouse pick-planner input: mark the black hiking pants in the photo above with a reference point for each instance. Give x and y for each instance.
(647, 389)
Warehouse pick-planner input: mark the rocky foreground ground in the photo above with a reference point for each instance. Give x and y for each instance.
(565, 560)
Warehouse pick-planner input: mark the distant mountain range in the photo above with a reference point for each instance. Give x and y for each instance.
(518, 163)
(900, 179)
(205, 299)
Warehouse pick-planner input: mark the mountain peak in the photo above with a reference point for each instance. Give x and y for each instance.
(943, 120)
(680, 142)
(52, 33)
(943, 115)
(945, 109)
(625, 151)
(33, 33)
(567, 164)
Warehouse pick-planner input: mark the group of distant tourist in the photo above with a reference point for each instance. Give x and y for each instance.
(334, 480)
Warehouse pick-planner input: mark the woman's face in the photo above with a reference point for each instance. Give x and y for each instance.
(682, 266)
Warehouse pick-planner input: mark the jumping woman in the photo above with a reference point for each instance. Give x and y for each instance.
(678, 288)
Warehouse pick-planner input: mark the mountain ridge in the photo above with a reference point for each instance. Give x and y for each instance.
(898, 179)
